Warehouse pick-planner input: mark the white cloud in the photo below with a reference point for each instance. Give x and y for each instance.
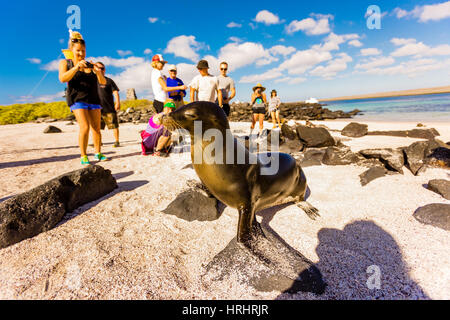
(124, 53)
(412, 68)
(108, 61)
(44, 98)
(34, 60)
(333, 67)
(186, 72)
(51, 66)
(137, 76)
(410, 47)
(401, 41)
(266, 61)
(311, 26)
(153, 20)
(147, 51)
(433, 12)
(304, 60)
(370, 52)
(290, 80)
(268, 75)
(235, 39)
(282, 50)
(332, 41)
(185, 47)
(375, 63)
(267, 18)
(119, 63)
(234, 25)
(239, 55)
(356, 43)
(400, 13)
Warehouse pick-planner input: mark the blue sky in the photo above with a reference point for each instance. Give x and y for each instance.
(301, 48)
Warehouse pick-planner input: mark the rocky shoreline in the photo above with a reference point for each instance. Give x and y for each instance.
(239, 112)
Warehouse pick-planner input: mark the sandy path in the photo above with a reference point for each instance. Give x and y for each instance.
(124, 247)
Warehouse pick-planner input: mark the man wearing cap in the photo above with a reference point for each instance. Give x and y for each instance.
(205, 87)
(226, 85)
(173, 81)
(159, 85)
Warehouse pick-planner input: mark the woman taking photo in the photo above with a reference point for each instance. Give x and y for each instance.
(82, 96)
(159, 85)
(259, 102)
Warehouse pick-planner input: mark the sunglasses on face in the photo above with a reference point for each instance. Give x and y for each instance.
(224, 69)
(173, 70)
(78, 41)
(102, 68)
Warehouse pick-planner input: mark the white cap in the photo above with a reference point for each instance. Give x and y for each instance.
(172, 67)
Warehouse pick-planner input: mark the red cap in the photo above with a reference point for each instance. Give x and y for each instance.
(159, 58)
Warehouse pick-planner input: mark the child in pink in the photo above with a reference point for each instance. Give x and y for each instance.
(151, 135)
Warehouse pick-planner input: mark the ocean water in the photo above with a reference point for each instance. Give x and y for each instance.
(435, 107)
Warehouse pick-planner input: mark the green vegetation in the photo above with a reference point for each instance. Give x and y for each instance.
(20, 113)
(135, 104)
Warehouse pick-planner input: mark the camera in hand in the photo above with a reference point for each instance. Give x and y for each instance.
(89, 65)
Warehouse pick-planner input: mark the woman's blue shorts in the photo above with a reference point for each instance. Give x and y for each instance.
(85, 106)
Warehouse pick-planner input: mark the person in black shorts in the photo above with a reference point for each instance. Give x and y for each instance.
(108, 93)
(259, 102)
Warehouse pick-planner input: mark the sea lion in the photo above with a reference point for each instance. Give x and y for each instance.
(244, 185)
(240, 186)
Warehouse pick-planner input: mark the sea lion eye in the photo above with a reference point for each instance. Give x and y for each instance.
(191, 115)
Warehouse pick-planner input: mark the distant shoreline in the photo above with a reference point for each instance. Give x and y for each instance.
(392, 94)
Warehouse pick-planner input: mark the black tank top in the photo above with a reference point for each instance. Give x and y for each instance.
(82, 88)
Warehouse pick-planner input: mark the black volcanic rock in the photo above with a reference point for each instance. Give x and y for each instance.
(40, 209)
(441, 187)
(436, 214)
(355, 130)
(392, 158)
(315, 137)
(372, 174)
(414, 133)
(339, 156)
(52, 129)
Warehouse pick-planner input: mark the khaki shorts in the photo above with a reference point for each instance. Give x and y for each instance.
(110, 120)
(178, 104)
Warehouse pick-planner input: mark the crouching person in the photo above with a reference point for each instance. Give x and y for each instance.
(156, 140)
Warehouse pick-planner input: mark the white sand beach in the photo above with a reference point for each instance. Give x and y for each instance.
(124, 247)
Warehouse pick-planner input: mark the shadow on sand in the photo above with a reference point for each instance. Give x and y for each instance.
(122, 187)
(350, 259)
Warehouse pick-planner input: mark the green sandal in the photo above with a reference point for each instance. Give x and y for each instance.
(100, 157)
(85, 161)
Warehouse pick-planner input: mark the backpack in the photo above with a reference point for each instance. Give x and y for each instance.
(68, 98)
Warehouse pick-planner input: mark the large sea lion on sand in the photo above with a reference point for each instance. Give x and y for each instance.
(246, 181)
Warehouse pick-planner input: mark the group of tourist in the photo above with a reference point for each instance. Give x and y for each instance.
(94, 99)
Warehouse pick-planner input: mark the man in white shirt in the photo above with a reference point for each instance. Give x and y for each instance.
(226, 85)
(205, 87)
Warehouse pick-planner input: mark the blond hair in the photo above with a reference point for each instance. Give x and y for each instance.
(154, 64)
(74, 35)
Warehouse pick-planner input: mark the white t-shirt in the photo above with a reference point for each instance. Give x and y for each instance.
(158, 91)
(206, 87)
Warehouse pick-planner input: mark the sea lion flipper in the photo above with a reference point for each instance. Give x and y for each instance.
(311, 211)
